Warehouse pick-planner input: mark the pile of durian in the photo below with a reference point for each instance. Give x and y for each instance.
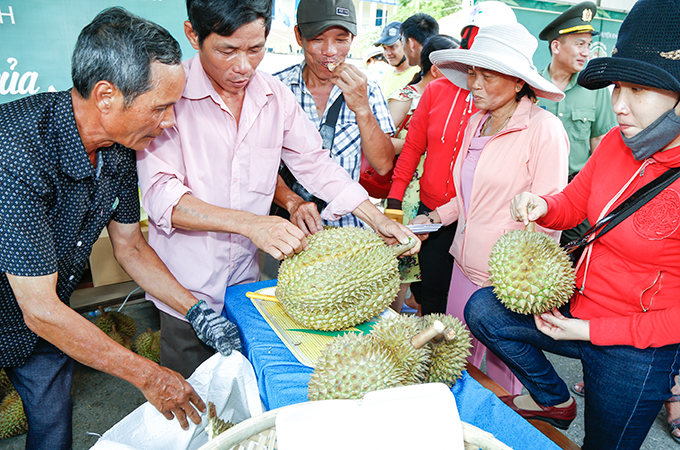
(118, 326)
(400, 351)
(345, 277)
(12, 417)
(121, 328)
(530, 272)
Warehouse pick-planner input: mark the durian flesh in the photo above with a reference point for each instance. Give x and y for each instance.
(530, 272)
(346, 276)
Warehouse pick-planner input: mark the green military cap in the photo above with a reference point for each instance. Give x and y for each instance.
(576, 19)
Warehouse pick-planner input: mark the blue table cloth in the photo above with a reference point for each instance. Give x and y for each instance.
(283, 380)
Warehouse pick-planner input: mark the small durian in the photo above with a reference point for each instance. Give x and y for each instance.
(124, 323)
(395, 336)
(105, 321)
(120, 338)
(530, 272)
(5, 385)
(215, 426)
(345, 277)
(148, 345)
(350, 366)
(12, 417)
(450, 352)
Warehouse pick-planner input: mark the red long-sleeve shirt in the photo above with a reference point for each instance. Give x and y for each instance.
(632, 281)
(437, 126)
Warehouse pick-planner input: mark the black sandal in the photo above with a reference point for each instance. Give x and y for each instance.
(675, 423)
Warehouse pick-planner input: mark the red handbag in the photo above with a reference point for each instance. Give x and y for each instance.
(378, 186)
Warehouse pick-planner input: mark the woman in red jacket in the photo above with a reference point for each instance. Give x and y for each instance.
(622, 321)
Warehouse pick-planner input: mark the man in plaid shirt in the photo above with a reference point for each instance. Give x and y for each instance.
(325, 30)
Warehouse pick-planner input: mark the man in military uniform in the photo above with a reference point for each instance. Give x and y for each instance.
(586, 115)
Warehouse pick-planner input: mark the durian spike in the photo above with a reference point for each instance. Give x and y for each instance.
(429, 333)
(403, 248)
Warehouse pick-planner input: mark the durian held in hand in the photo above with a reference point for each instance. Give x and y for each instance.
(530, 272)
(400, 351)
(344, 278)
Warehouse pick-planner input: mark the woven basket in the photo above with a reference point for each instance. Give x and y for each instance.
(259, 433)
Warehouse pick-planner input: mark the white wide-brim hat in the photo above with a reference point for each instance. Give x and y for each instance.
(504, 48)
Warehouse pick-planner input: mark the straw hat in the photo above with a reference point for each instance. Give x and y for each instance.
(504, 48)
(647, 51)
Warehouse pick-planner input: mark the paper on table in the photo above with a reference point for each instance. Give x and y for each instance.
(306, 345)
(375, 421)
(422, 228)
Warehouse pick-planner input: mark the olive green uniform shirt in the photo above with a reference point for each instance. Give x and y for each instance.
(585, 114)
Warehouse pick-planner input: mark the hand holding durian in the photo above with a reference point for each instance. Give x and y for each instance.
(344, 278)
(530, 272)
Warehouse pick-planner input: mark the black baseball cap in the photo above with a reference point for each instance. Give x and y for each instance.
(390, 34)
(315, 16)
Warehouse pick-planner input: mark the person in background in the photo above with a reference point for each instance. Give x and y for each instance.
(363, 125)
(376, 64)
(586, 115)
(393, 49)
(402, 104)
(208, 182)
(415, 31)
(622, 320)
(436, 133)
(68, 171)
(510, 146)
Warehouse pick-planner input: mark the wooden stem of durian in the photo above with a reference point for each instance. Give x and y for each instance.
(531, 226)
(425, 336)
(448, 335)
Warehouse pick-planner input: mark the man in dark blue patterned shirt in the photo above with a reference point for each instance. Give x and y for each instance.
(67, 170)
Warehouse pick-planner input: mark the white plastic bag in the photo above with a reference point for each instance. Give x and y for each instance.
(228, 382)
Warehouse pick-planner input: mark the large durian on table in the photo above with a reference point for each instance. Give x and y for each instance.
(398, 352)
(344, 278)
(530, 272)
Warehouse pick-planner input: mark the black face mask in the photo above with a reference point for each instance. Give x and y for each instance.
(655, 137)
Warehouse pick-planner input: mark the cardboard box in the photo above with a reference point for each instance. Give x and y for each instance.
(105, 269)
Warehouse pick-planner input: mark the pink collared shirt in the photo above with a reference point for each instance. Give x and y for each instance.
(233, 165)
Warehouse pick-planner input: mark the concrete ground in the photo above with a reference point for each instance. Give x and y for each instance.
(101, 400)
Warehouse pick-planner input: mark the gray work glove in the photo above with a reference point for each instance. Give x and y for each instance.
(213, 329)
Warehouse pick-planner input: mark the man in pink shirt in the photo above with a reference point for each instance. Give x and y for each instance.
(208, 182)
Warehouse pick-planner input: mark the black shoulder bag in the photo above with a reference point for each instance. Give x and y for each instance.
(327, 131)
(625, 209)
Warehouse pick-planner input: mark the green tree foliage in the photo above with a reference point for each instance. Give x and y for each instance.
(435, 8)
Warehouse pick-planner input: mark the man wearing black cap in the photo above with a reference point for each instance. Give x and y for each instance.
(586, 115)
(393, 49)
(325, 30)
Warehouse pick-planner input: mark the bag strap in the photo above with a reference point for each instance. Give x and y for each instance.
(625, 209)
(327, 129)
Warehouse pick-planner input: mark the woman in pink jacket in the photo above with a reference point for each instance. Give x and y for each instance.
(510, 146)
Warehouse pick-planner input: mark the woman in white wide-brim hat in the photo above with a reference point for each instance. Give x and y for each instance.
(510, 146)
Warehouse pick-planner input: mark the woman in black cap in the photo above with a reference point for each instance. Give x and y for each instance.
(623, 320)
